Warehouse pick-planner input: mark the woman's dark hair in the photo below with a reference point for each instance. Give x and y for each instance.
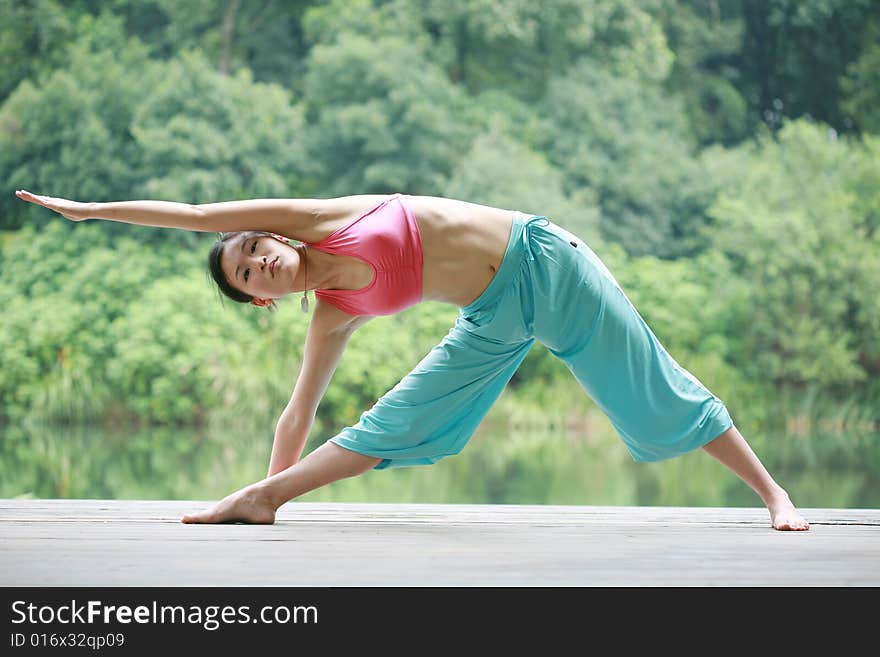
(217, 272)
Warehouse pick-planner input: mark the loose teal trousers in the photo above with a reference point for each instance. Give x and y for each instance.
(553, 288)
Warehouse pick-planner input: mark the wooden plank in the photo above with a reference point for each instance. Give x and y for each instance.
(142, 543)
(127, 510)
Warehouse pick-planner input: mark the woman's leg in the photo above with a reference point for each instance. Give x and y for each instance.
(258, 502)
(430, 414)
(658, 408)
(731, 449)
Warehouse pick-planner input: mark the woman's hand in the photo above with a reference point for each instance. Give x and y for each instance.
(68, 209)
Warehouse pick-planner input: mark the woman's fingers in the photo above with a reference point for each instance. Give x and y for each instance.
(44, 200)
(68, 209)
(27, 196)
(23, 193)
(32, 198)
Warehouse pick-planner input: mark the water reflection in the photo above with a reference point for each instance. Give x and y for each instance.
(497, 467)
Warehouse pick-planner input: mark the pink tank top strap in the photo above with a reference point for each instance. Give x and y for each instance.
(387, 238)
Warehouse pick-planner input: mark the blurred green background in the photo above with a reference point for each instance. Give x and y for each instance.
(721, 156)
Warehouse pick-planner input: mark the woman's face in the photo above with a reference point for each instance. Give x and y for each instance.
(260, 265)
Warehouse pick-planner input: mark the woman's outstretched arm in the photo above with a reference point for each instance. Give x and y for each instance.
(328, 335)
(291, 217)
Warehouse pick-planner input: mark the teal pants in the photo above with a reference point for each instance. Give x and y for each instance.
(550, 287)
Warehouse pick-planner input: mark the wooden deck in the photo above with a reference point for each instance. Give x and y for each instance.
(142, 543)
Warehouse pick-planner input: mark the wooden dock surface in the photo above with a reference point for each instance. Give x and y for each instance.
(142, 543)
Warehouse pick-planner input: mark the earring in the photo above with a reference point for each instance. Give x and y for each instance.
(304, 302)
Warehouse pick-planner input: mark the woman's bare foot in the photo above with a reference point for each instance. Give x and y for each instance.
(783, 515)
(248, 505)
(731, 449)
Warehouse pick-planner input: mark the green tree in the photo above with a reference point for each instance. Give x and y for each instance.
(115, 125)
(170, 348)
(262, 35)
(62, 304)
(33, 36)
(204, 137)
(706, 38)
(382, 117)
(794, 53)
(798, 216)
(67, 134)
(501, 172)
(861, 84)
(519, 45)
(628, 141)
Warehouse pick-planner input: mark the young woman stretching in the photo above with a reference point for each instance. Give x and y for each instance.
(517, 278)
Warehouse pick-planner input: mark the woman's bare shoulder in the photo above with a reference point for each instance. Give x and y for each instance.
(310, 220)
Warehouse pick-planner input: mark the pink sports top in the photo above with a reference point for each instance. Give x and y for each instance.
(387, 238)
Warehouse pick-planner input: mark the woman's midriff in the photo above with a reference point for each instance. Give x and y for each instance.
(463, 245)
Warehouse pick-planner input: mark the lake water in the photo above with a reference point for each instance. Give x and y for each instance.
(498, 466)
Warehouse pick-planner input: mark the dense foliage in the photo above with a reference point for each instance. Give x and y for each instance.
(722, 156)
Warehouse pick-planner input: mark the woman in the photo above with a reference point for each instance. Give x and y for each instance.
(515, 277)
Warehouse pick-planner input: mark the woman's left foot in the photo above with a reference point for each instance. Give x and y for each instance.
(247, 505)
(784, 516)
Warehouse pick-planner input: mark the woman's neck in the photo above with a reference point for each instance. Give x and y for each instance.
(325, 271)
